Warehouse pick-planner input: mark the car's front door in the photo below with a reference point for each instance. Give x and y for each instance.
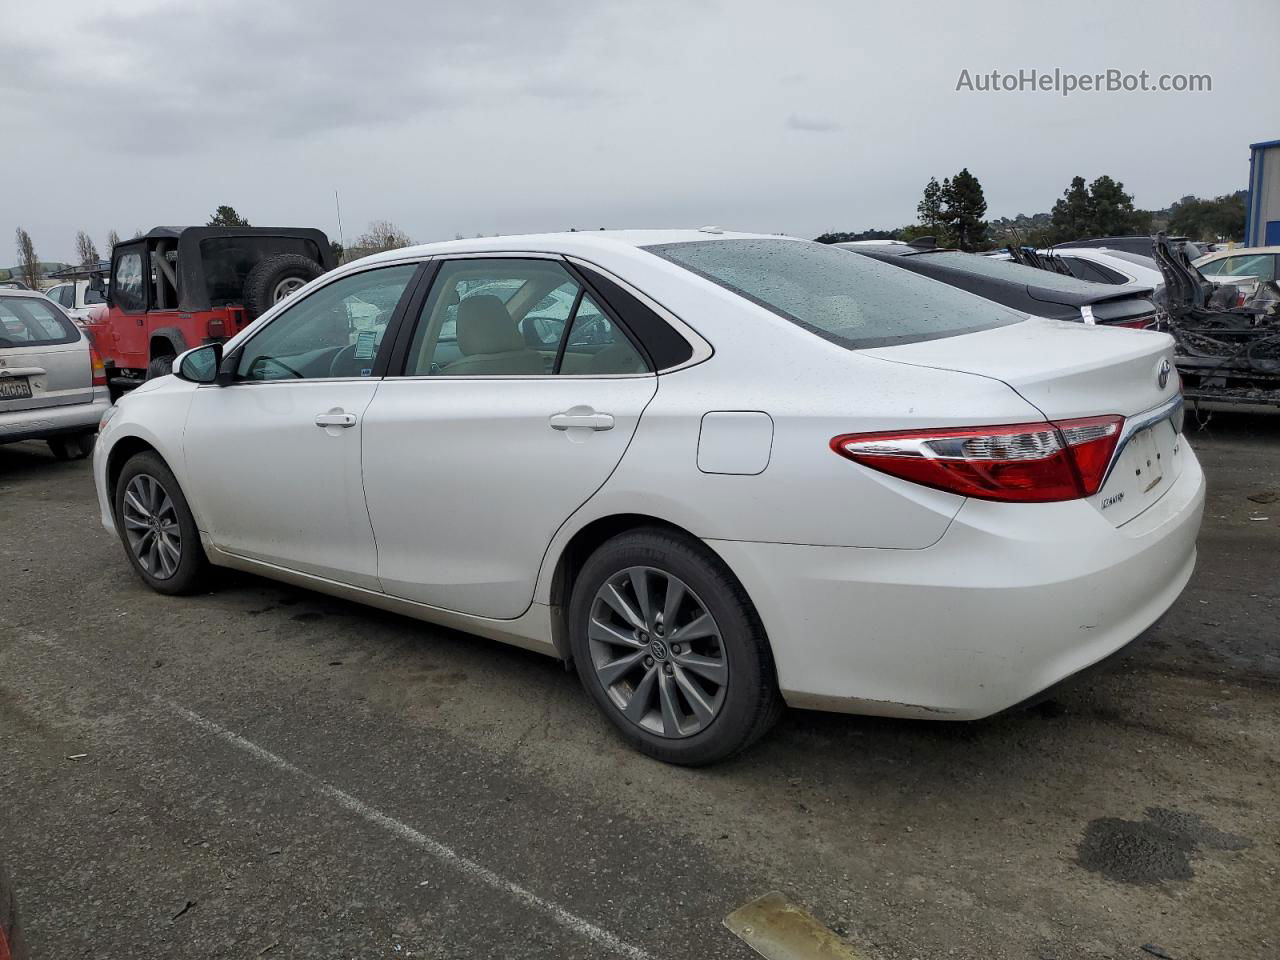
(518, 399)
(273, 458)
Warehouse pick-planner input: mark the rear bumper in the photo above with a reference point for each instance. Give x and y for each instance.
(1012, 599)
(42, 422)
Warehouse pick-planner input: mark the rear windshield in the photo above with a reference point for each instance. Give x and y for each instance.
(228, 260)
(1007, 270)
(32, 322)
(839, 295)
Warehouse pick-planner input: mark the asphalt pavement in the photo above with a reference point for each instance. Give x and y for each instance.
(265, 771)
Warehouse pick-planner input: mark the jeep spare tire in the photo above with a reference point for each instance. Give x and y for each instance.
(275, 278)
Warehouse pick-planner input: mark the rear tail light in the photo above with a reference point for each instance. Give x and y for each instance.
(217, 328)
(1017, 463)
(97, 367)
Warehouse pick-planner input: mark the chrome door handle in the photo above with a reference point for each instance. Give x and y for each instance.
(336, 420)
(592, 421)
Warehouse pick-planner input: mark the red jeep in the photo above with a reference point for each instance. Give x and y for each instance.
(180, 287)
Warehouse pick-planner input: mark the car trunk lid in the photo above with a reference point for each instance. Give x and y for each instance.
(1070, 370)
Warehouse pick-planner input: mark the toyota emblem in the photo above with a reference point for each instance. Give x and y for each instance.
(1162, 374)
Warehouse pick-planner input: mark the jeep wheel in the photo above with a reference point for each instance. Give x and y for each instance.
(159, 367)
(276, 278)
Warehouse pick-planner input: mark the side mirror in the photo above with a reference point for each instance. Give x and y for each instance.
(200, 365)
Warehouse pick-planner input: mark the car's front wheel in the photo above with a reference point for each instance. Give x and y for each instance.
(668, 645)
(157, 528)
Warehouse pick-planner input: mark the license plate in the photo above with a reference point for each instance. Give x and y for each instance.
(1153, 463)
(15, 388)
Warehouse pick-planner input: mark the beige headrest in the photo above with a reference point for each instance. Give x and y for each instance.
(485, 326)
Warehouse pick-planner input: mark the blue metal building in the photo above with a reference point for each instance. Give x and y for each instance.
(1262, 208)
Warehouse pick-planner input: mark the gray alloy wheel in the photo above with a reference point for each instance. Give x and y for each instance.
(657, 652)
(151, 526)
(287, 288)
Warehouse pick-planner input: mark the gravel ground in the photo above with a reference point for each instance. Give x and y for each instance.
(263, 771)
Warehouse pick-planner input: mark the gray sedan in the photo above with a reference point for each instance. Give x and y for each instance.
(53, 385)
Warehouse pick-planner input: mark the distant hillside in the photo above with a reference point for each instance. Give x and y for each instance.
(46, 267)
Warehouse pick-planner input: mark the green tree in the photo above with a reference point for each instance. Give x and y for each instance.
(1221, 218)
(226, 216)
(929, 209)
(1071, 217)
(28, 260)
(1111, 209)
(965, 206)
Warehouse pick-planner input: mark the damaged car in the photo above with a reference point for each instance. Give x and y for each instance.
(1227, 341)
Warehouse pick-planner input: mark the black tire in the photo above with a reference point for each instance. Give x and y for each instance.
(160, 367)
(192, 568)
(263, 285)
(751, 701)
(72, 447)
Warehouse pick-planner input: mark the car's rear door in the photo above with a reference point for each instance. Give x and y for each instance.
(44, 358)
(273, 458)
(518, 396)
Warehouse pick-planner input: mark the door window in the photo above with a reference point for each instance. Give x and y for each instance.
(509, 317)
(1260, 265)
(337, 331)
(126, 284)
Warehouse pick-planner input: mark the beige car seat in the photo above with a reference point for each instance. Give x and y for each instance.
(490, 342)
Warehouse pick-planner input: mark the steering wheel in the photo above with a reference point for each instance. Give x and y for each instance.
(343, 360)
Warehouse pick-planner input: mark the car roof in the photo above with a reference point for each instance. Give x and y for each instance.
(11, 292)
(582, 242)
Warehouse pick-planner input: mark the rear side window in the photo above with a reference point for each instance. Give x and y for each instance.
(28, 322)
(839, 295)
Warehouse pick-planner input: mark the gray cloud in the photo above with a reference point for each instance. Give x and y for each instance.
(509, 116)
(812, 124)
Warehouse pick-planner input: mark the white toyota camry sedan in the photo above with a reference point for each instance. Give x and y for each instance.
(718, 472)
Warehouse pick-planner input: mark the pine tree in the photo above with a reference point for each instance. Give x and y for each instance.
(965, 208)
(929, 209)
(1072, 217)
(226, 216)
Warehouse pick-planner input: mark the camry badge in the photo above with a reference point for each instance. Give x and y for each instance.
(1162, 374)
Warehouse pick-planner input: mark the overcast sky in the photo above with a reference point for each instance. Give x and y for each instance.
(511, 116)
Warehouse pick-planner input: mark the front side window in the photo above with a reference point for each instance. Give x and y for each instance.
(126, 284)
(28, 322)
(510, 317)
(337, 331)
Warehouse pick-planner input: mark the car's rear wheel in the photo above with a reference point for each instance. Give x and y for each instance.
(157, 528)
(277, 278)
(669, 646)
(73, 447)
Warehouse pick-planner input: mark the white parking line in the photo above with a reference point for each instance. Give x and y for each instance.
(442, 852)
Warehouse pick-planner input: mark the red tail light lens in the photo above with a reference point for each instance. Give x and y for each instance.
(1017, 463)
(96, 366)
